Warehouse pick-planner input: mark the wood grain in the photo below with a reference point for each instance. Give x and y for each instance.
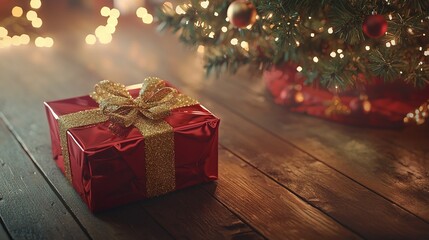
(132, 221)
(336, 194)
(193, 214)
(3, 233)
(282, 175)
(28, 206)
(272, 209)
(262, 154)
(396, 173)
(326, 227)
(45, 66)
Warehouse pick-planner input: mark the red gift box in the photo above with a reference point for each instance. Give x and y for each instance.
(108, 169)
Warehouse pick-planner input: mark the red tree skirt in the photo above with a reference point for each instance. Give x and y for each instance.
(390, 103)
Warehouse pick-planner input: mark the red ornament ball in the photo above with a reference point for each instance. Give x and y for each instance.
(360, 105)
(374, 26)
(241, 13)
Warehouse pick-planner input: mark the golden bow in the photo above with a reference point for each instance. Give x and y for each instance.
(154, 102)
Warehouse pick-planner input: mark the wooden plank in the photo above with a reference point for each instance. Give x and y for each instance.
(125, 222)
(268, 206)
(359, 153)
(28, 206)
(3, 233)
(326, 189)
(193, 214)
(326, 227)
(34, 135)
(354, 220)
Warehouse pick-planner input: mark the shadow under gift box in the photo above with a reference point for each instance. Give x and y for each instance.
(109, 170)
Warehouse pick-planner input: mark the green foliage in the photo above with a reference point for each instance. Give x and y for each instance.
(299, 30)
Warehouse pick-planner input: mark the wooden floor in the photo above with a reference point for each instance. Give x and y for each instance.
(281, 175)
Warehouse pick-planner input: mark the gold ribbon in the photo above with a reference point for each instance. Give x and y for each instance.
(146, 113)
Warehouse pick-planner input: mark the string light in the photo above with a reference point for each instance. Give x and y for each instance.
(224, 29)
(146, 17)
(200, 49)
(367, 48)
(245, 45)
(3, 32)
(234, 41)
(204, 4)
(35, 4)
(330, 30)
(103, 33)
(333, 54)
(299, 68)
(180, 11)
(17, 11)
(315, 59)
(419, 115)
(90, 39)
(31, 15)
(18, 22)
(37, 23)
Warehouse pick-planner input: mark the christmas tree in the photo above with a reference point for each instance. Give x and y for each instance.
(335, 44)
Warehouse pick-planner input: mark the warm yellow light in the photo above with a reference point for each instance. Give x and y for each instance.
(115, 13)
(315, 59)
(105, 11)
(204, 4)
(330, 30)
(179, 10)
(110, 29)
(299, 68)
(105, 38)
(148, 19)
(49, 42)
(211, 35)
(39, 42)
(224, 29)
(341, 55)
(16, 40)
(35, 4)
(311, 34)
(90, 39)
(31, 15)
(388, 44)
(3, 32)
(234, 41)
(339, 50)
(367, 48)
(200, 49)
(7, 41)
(245, 45)
(25, 39)
(100, 30)
(112, 21)
(141, 11)
(333, 54)
(17, 11)
(37, 23)
(168, 4)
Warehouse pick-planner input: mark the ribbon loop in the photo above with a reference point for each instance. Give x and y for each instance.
(154, 102)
